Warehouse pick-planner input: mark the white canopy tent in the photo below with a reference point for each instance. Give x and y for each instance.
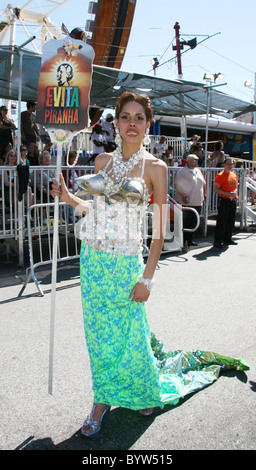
(168, 96)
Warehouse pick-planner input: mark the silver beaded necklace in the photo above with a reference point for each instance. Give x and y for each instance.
(122, 168)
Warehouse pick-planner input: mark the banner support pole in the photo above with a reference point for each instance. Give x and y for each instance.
(54, 269)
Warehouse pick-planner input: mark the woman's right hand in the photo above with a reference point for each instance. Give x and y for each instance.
(60, 190)
(63, 193)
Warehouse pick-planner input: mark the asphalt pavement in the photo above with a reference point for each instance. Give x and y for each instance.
(203, 299)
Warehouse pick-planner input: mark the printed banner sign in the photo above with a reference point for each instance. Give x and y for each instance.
(64, 87)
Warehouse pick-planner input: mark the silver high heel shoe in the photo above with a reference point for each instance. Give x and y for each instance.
(94, 425)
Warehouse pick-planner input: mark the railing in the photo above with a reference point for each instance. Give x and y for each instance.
(68, 246)
(83, 144)
(40, 238)
(38, 192)
(248, 165)
(250, 197)
(13, 221)
(175, 142)
(210, 205)
(8, 202)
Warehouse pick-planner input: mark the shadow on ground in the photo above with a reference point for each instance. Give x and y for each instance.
(121, 431)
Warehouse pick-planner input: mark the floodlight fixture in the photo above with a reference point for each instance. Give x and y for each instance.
(213, 76)
(154, 62)
(208, 76)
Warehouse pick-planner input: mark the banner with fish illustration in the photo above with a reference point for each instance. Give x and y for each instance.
(64, 87)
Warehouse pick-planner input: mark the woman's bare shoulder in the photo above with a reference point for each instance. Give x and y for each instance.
(101, 160)
(155, 164)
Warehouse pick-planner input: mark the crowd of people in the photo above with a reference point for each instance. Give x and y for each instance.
(165, 152)
(190, 188)
(30, 136)
(36, 151)
(33, 137)
(190, 185)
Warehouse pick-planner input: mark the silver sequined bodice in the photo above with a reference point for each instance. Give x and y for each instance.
(114, 222)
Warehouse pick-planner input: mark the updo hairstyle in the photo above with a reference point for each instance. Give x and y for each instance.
(128, 97)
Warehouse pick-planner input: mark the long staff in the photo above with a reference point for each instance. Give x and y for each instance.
(54, 268)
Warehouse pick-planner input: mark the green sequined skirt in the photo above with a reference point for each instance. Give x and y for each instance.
(130, 367)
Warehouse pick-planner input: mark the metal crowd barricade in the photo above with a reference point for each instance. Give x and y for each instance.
(175, 142)
(210, 206)
(39, 220)
(36, 202)
(8, 202)
(174, 226)
(38, 192)
(250, 198)
(40, 237)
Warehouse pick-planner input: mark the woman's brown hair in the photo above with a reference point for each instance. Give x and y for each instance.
(128, 97)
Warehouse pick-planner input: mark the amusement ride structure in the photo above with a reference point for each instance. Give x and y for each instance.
(107, 31)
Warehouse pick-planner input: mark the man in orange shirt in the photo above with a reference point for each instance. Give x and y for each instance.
(225, 186)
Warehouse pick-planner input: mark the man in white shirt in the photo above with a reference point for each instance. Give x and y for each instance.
(190, 192)
(194, 140)
(160, 147)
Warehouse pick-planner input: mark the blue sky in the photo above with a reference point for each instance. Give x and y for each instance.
(230, 50)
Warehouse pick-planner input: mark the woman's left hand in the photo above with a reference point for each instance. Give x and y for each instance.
(139, 293)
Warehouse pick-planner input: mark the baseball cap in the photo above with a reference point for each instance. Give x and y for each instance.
(192, 156)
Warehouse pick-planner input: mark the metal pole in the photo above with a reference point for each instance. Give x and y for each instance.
(19, 104)
(54, 269)
(177, 36)
(20, 212)
(20, 203)
(11, 58)
(183, 134)
(183, 123)
(254, 114)
(206, 125)
(208, 91)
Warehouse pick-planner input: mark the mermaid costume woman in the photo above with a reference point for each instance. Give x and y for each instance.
(130, 366)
